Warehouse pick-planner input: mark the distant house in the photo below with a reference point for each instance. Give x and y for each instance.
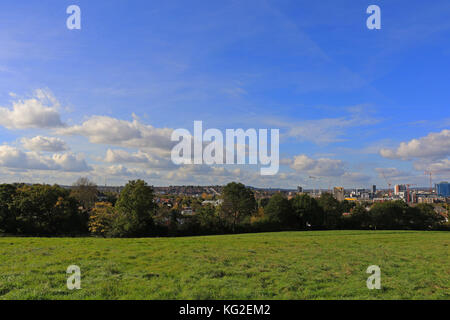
(212, 202)
(187, 212)
(441, 211)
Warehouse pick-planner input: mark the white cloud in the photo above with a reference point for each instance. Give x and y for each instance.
(204, 174)
(139, 157)
(40, 111)
(126, 157)
(439, 166)
(432, 146)
(123, 172)
(70, 162)
(13, 158)
(319, 167)
(118, 170)
(130, 134)
(40, 143)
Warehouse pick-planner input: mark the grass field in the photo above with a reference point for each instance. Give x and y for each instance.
(286, 265)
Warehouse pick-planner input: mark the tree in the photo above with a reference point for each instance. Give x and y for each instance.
(208, 219)
(346, 206)
(279, 211)
(47, 210)
(263, 202)
(238, 202)
(111, 197)
(389, 215)
(101, 219)
(135, 209)
(85, 192)
(307, 211)
(359, 218)
(423, 217)
(7, 212)
(332, 210)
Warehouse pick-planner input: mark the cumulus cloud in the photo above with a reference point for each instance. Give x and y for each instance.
(439, 166)
(432, 146)
(121, 171)
(319, 167)
(129, 134)
(49, 144)
(40, 111)
(124, 156)
(139, 157)
(13, 158)
(118, 170)
(70, 162)
(204, 174)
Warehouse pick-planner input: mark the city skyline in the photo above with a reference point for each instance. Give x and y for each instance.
(355, 107)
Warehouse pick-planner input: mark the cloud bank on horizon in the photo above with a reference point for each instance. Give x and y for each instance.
(103, 101)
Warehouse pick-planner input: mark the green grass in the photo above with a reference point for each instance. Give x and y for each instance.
(285, 265)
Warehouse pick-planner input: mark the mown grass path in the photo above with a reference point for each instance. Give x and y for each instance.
(285, 265)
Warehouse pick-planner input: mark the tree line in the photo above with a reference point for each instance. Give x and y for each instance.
(43, 210)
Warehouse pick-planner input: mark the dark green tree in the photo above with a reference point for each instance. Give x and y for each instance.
(347, 206)
(307, 211)
(7, 212)
(135, 208)
(423, 217)
(390, 215)
(359, 218)
(332, 210)
(47, 210)
(279, 211)
(238, 202)
(208, 219)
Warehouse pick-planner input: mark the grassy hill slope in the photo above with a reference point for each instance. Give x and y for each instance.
(285, 265)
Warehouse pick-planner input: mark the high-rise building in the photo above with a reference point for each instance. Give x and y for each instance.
(338, 193)
(399, 188)
(374, 189)
(299, 189)
(443, 189)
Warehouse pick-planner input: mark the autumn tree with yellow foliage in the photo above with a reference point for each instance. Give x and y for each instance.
(101, 218)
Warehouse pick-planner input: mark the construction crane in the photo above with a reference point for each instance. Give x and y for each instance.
(314, 186)
(388, 183)
(430, 173)
(407, 191)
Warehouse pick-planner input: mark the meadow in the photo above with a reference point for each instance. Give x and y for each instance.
(282, 265)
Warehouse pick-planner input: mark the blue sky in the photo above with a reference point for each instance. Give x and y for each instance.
(344, 97)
